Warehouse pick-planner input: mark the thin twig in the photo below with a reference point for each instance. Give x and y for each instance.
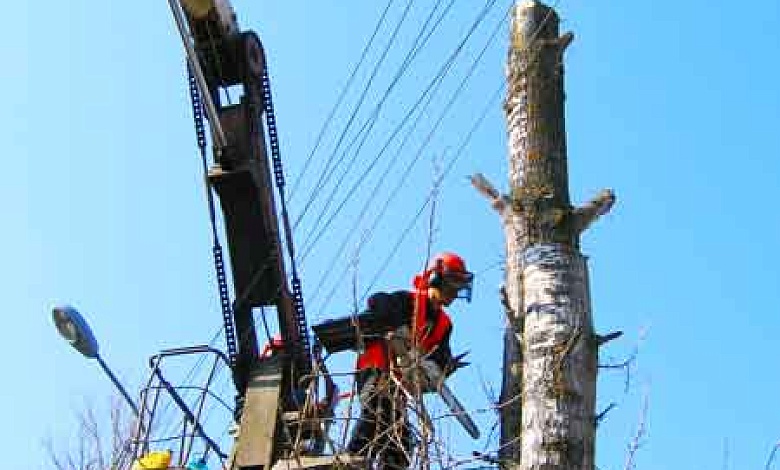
(772, 456)
(641, 430)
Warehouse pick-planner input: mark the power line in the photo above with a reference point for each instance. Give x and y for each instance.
(325, 175)
(452, 162)
(379, 183)
(433, 85)
(340, 98)
(366, 129)
(444, 174)
(443, 71)
(428, 199)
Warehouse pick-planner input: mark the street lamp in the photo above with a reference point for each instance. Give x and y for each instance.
(72, 326)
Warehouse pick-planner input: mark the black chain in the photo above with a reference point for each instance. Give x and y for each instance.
(219, 260)
(297, 292)
(219, 264)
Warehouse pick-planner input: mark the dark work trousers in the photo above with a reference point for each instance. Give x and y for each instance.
(381, 433)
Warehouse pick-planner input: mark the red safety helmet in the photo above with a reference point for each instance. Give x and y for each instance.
(448, 272)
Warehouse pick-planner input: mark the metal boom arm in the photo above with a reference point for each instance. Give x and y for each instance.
(221, 56)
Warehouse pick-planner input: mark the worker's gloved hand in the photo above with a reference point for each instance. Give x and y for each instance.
(456, 363)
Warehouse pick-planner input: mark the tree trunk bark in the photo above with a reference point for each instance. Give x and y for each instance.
(550, 354)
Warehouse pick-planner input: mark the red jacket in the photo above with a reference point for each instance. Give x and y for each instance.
(433, 328)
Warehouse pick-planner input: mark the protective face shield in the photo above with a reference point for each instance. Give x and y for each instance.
(458, 285)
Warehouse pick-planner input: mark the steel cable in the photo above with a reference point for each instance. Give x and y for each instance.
(339, 100)
(368, 124)
(407, 170)
(434, 84)
(326, 173)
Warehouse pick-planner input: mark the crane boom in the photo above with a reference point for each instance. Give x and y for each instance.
(242, 174)
(221, 56)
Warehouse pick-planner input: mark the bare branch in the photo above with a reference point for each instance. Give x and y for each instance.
(602, 339)
(498, 201)
(641, 430)
(565, 40)
(54, 455)
(98, 445)
(600, 417)
(772, 456)
(93, 436)
(585, 215)
(628, 362)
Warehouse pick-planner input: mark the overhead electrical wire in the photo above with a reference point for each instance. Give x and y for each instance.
(432, 88)
(452, 162)
(340, 99)
(325, 174)
(161, 414)
(419, 42)
(414, 220)
(380, 181)
(427, 201)
(407, 170)
(491, 102)
(434, 84)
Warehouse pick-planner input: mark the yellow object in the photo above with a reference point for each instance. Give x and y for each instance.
(159, 460)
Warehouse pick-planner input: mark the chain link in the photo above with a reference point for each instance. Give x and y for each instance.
(219, 260)
(297, 291)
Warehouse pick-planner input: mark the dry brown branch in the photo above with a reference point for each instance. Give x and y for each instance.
(585, 215)
(499, 202)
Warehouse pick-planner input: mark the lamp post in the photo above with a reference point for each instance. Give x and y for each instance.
(76, 331)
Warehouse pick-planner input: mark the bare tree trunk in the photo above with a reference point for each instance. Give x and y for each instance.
(550, 354)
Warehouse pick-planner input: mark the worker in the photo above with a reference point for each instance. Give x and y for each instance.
(381, 432)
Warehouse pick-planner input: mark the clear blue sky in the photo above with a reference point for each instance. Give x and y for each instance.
(674, 105)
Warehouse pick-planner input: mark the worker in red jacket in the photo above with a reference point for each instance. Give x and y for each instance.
(381, 431)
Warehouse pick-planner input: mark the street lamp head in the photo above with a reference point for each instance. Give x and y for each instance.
(72, 326)
(76, 331)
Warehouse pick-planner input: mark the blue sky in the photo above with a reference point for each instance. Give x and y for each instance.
(675, 106)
